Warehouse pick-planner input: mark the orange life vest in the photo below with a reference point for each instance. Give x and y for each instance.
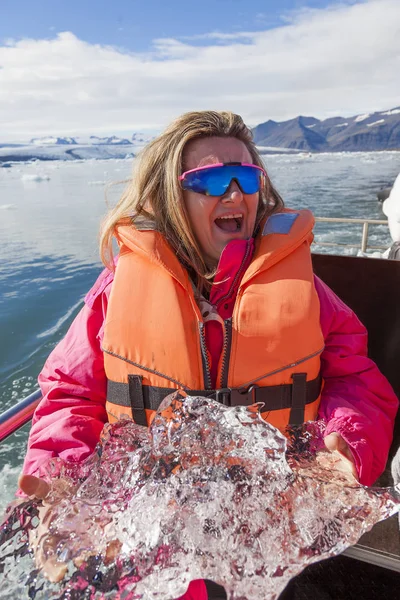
(154, 335)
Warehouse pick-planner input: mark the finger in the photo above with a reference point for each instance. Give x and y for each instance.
(54, 570)
(335, 442)
(332, 441)
(33, 486)
(347, 466)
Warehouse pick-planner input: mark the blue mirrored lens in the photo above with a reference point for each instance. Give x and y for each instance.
(216, 180)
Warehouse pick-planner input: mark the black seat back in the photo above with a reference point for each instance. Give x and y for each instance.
(371, 287)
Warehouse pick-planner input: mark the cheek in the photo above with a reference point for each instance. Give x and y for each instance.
(252, 206)
(198, 209)
(191, 206)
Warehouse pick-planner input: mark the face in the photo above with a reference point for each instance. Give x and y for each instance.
(216, 220)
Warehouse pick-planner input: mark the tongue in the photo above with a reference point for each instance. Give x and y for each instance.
(227, 224)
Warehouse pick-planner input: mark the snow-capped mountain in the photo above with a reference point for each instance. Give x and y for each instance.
(51, 140)
(73, 148)
(92, 140)
(365, 132)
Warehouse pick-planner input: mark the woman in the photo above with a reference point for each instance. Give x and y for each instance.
(212, 292)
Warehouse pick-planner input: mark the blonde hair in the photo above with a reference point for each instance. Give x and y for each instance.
(155, 193)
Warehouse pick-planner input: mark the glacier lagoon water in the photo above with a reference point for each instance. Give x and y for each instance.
(49, 218)
(209, 492)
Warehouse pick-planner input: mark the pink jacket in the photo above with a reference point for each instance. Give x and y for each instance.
(357, 401)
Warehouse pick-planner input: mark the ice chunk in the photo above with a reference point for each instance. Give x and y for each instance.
(208, 492)
(34, 177)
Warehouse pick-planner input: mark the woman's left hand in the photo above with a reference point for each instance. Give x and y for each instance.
(335, 443)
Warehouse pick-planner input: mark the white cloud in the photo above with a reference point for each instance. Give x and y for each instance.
(341, 60)
(220, 36)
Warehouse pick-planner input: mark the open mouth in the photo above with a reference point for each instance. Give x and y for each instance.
(230, 223)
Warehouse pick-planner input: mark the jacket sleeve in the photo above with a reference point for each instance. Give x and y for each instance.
(69, 419)
(357, 400)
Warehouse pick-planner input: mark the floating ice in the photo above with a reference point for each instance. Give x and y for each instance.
(34, 177)
(208, 492)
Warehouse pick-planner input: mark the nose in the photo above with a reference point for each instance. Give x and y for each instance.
(233, 194)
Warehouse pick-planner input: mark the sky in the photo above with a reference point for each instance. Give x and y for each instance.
(121, 66)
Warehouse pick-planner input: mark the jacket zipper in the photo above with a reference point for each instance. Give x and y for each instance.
(226, 348)
(204, 357)
(226, 353)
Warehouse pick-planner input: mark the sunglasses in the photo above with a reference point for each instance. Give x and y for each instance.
(214, 180)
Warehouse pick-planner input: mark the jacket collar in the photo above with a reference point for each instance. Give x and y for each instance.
(273, 243)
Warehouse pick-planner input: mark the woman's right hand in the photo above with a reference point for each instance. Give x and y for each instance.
(40, 541)
(33, 486)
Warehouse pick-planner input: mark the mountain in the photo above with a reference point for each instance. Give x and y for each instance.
(73, 148)
(51, 140)
(92, 140)
(140, 138)
(369, 132)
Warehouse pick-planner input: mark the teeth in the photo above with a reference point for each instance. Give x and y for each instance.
(237, 216)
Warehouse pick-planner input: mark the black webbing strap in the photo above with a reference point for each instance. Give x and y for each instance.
(129, 394)
(276, 397)
(136, 399)
(299, 398)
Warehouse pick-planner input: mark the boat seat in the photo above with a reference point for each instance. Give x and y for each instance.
(371, 287)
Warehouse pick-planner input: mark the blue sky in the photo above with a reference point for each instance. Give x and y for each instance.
(133, 24)
(117, 67)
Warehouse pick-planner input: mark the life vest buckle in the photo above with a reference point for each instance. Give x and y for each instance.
(237, 396)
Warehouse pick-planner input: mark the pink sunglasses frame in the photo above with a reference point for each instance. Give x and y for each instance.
(232, 164)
